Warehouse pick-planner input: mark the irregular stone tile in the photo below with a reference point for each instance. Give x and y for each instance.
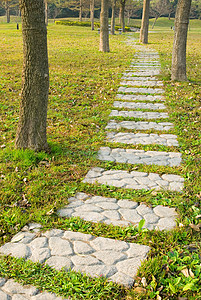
(59, 262)
(109, 244)
(65, 212)
(40, 255)
(82, 248)
(129, 266)
(131, 97)
(77, 236)
(143, 209)
(46, 296)
(87, 260)
(140, 125)
(134, 82)
(54, 233)
(89, 216)
(23, 237)
(2, 281)
(40, 242)
(88, 207)
(166, 224)
(109, 257)
(136, 250)
(139, 114)
(19, 250)
(4, 296)
(108, 205)
(60, 247)
(127, 204)
(151, 218)
(130, 215)
(111, 214)
(122, 279)
(164, 211)
(140, 90)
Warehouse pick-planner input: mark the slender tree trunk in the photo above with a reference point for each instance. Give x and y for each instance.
(122, 12)
(119, 16)
(31, 131)
(128, 21)
(104, 33)
(46, 13)
(7, 12)
(92, 14)
(113, 17)
(80, 12)
(180, 40)
(156, 18)
(145, 22)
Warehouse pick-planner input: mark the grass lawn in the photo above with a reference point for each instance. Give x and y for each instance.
(83, 85)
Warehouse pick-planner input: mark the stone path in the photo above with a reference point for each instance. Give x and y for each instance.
(132, 156)
(98, 256)
(135, 180)
(11, 290)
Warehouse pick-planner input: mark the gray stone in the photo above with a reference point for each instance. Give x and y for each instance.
(87, 208)
(143, 209)
(164, 211)
(151, 218)
(77, 236)
(65, 212)
(108, 205)
(130, 215)
(23, 237)
(140, 105)
(82, 248)
(129, 266)
(46, 296)
(40, 255)
(4, 296)
(60, 246)
(39, 242)
(127, 204)
(123, 279)
(88, 260)
(136, 250)
(2, 281)
(109, 244)
(19, 250)
(54, 233)
(139, 114)
(166, 224)
(59, 262)
(18, 297)
(89, 216)
(109, 257)
(112, 214)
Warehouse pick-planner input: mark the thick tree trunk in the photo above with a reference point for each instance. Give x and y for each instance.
(145, 22)
(180, 40)
(92, 14)
(46, 12)
(122, 12)
(104, 33)
(31, 131)
(7, 12)
(80, 12)
(113, 17)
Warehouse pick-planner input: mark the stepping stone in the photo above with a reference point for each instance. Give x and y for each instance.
(123, 212)
(140, 97)
(142, 138)
(139, 114)
(95, 256)
(135, 180)
(139, 125)
(144, 72)
(139, 105)
(146, 63)
(130, 76)
(145, 67)
(133, 82)
(132, 156)
(140, 90)
(9, 288)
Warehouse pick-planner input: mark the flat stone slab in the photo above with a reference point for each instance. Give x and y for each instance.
(132, 156)
(142, 138)
(131, 76)
(95, 256)
(140, 90)
(140, 97)
(139, 105)
(11, 290)
(131, 81)
(141, 72)
(140, 125)
(135, 180)
(139, 114)
(120, 212)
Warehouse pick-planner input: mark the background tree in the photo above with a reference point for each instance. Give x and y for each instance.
(31, 131)
(160, 8)
(145, 22)
(104, 33)
(92, 14)
(180, 40)
(122, 14)
(133, 9)
(8, 5)
(113, 16)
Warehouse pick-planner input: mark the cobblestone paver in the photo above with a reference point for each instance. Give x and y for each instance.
(139, 105)
(95, 256)
(11, 290)
(142, 138)
(133, 82)
(139, 114)
(140, 90)
(118, 212)
(132, 156)
(135, 180)
(141, 72)
(130, 76)
(140, 97)
(139, 125)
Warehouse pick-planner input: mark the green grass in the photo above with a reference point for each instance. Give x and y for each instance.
(83, 85)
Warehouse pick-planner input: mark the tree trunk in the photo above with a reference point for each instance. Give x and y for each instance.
(104, 33)
(180, 40)
(92, 14)
(145, 23)
(46, 13)
(122, 12)
(7, 12)
(80, 12)
(113, 17)
(31, 131)
(156, 18)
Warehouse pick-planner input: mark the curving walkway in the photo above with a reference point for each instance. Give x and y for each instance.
(97, 256)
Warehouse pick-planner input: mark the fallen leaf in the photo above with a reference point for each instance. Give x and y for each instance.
(185, 272)
(195, 227)
(158, 297)
(140, 290)
(144, 282)
(198, 216)
(191, 273)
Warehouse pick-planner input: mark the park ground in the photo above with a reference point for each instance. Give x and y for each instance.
(83, 85)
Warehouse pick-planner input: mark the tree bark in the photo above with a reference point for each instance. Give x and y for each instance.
(113, 17)
(92, 14)
(145, 23)
(180, 40)
(104, 32)
(7, 12)
(122, 13)
(31, 131)
(46, 12)
(80, 12)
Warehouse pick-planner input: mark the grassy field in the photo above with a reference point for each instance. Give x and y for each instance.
(83, 85)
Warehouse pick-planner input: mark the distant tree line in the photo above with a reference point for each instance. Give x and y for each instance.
(123, 8)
